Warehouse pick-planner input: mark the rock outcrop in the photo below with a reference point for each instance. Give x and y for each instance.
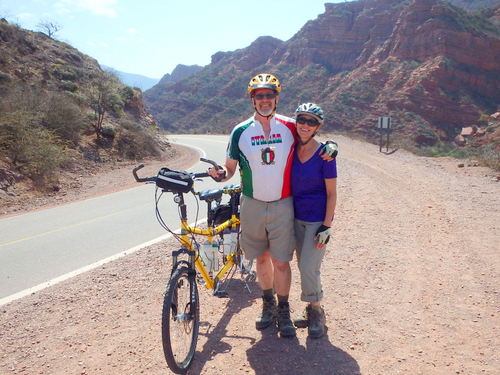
(431, 66)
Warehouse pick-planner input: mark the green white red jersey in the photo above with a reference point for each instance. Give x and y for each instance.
(265, 165)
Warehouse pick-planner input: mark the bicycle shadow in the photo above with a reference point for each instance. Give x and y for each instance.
(215, 344)
(274, 355)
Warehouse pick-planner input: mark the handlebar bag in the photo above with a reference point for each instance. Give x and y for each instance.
(174, 181)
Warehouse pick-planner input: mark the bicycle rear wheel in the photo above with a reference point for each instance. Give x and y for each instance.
(180, 320)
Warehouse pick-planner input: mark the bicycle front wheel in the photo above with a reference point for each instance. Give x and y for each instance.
(180, 320)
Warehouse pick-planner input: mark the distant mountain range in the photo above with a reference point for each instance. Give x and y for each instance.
(134, 80)
(431, 66)
(179, 73)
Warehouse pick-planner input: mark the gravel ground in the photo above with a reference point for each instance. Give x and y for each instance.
(410, 279)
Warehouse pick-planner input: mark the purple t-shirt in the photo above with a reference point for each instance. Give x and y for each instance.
(308, 186)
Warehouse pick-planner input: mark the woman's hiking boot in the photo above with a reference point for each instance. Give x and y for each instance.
(285, 324)
(317, 320)
(268, 315)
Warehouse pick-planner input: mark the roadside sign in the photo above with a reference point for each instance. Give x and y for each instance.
(384, 125)
(384, 122)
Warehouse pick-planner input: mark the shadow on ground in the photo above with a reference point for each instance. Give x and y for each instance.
(215, 345)
(274, 355)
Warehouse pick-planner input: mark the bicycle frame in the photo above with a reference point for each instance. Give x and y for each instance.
(209, 233)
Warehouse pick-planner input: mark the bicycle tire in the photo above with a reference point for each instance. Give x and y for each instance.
(180, 320)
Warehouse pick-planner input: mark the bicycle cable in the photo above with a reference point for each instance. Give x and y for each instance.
(159, 217)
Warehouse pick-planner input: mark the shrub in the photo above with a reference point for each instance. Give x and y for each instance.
(67, 72)
(127, 93)
(32, 148)
(5, 77)
(68, 86)
(65, 118)
(135, 142)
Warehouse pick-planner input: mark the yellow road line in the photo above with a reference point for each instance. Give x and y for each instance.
(60, 229)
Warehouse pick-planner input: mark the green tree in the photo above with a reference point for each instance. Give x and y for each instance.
(103, 98)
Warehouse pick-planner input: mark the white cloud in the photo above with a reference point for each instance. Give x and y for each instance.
(132, 31)
(97, 7)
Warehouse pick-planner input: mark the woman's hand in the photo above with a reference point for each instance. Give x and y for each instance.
(322, 236)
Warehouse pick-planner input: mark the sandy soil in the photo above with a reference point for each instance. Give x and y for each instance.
(410, 279)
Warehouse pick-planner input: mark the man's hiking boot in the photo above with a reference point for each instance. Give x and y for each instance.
(302, 321)
(317, 321)
(285, 324)
(268, 315)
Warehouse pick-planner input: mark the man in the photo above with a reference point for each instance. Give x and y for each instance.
(263, 146)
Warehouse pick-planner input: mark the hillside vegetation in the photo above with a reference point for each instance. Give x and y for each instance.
(60, 110)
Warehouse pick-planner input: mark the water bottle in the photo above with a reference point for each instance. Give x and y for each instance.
(208, 254)
(214, 266)
(230, 242)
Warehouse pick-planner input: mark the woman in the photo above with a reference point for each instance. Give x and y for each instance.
(314, 190)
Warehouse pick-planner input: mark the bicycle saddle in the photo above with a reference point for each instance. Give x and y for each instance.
(210, 195)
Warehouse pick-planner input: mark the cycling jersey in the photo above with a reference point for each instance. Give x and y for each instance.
(265, 165)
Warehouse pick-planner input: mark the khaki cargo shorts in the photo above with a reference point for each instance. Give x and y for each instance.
(267, 226)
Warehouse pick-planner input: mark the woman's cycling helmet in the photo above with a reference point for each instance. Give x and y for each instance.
(312, 110)
(264, 81)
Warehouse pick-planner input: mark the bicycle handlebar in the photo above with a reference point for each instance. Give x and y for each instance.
(141, 179)
(193, 175)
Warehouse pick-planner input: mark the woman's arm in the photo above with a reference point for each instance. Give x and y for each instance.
(331, 200)
(323, 232)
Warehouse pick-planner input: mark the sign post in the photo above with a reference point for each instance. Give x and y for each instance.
(384, 125)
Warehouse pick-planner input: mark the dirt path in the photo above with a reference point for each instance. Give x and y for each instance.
(411, 284)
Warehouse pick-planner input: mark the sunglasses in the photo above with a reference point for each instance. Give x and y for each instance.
(269, 95)
(307, 121)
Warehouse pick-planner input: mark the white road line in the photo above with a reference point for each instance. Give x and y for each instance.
(37, 288)
(200, 150)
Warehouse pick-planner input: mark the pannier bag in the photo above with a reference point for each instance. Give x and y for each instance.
(174, 181)
(222, 213)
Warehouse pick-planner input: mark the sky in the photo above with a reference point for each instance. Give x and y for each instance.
(150, 37)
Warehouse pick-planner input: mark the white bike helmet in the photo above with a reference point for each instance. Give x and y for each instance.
(312, 110)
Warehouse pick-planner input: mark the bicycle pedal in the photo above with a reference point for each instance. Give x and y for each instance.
(221, 294)
(251, 277)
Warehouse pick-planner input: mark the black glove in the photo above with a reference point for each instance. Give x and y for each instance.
(323, 234)
(331, 148)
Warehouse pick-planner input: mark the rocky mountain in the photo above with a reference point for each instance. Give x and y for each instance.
(60, 111)
(474, 5)
(179, 73)
(133, 80)
(429, 65)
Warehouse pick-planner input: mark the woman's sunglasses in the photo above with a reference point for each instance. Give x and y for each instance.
(307, 121)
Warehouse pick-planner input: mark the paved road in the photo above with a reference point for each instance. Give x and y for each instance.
(39, 248)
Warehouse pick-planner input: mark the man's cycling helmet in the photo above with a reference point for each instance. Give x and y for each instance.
(264, 81)
(312, 110)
